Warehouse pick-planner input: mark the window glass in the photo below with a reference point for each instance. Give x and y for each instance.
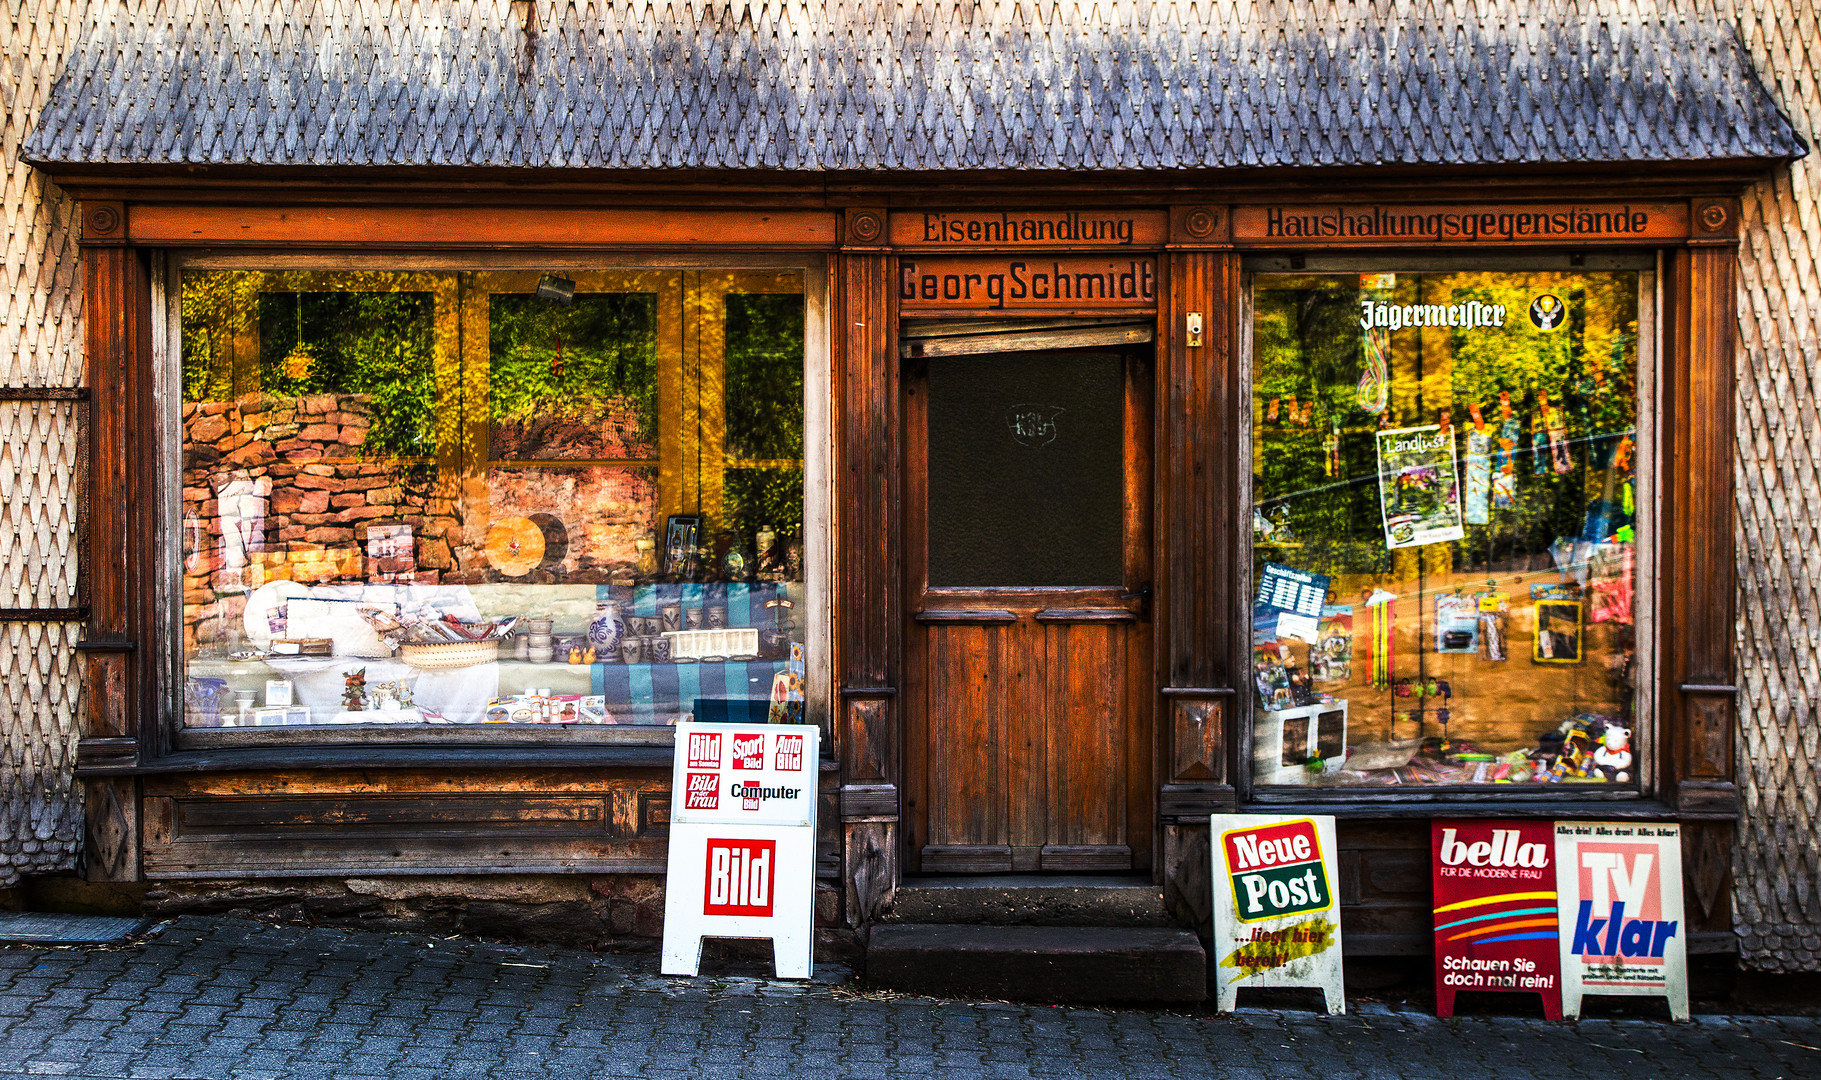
(1444, 529)
(438, 498)
(1026, 470)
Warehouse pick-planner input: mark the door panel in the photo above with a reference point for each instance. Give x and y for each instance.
(1028, 647)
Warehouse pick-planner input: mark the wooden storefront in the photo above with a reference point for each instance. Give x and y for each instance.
(975, 723)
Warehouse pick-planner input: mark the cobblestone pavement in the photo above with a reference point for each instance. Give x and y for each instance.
(225, 998)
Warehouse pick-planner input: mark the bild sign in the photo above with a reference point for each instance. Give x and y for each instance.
(1276, 917)
(1495, 910)
(742, 842)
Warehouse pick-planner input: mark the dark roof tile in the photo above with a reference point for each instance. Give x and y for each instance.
(863, 86)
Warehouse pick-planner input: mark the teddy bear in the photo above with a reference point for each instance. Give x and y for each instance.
(1613, 756)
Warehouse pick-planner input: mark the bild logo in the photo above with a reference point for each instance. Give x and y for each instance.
(749, 752)
(702, 792)
(790, 754)
(740, 877)
(705, 750)
(1276, 870)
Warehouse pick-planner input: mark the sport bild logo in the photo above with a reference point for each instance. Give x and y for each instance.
(1276, 870)
(702, 791)
(705, 750)
(749, 752)
(741, 874)
(789, 757)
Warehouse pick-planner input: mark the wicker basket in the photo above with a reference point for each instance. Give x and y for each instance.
(451, 654)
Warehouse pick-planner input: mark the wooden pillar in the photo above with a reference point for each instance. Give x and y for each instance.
(117, 562)
(1697, 571)
(1200, 520)
(867, 564)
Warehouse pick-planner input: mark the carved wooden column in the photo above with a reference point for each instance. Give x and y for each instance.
(1697, 570)
(117, 563)
(1199, 510)
(867, 562)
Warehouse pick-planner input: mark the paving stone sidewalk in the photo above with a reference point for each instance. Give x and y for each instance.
(245, 1000)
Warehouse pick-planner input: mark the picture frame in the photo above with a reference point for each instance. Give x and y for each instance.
(1558, 632)
(681, 533)
(1284, 740)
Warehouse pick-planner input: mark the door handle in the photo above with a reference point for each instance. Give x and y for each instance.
(1141, 596)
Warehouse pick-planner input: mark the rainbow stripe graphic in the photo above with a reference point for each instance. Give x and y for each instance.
(1521, 916)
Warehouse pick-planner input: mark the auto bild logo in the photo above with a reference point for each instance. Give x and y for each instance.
(1546, 312)
(789, 757)
(1276, 870)
(749, 752)
(702, 791)
(741, 874)
(705, 750)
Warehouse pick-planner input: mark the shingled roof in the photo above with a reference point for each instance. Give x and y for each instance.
(875, 86)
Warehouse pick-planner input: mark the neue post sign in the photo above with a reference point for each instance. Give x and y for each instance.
(1276, 916)
(1495, 910)
(742, 842)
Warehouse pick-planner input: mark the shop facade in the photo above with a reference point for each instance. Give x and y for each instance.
(423, 506)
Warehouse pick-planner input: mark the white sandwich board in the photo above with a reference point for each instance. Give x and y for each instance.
(1619, 890)
(1276, 914)
(742, 843)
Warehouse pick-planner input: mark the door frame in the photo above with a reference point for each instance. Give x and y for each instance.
(1142, 429)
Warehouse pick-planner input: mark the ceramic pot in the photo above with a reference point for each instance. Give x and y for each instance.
(657, 650)
(607, 627)
(692, 619)
(717, 616)
(672, 617)
(630, 648)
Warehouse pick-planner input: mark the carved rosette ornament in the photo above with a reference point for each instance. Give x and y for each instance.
(103, 223)
(865, 228)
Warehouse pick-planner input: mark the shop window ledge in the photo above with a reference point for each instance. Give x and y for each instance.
(1622, 806)
(473, 758)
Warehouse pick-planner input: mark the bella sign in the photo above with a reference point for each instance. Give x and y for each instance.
(1495, 911)
(1045, 283)
(1276, 918)
(742, 842)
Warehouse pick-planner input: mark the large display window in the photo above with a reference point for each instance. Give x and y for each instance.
(1450, 505)
(415, 499)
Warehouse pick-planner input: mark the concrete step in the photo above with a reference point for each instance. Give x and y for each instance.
(1031, 900)
(1078, 964)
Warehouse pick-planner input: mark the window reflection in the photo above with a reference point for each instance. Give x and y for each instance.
(1445, 528)
(437, 498)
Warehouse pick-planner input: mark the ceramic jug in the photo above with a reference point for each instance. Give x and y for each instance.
(607, 627)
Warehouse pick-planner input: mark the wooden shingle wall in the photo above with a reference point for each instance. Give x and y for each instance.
(40, 347)
(1777, 861)
(1777, 873)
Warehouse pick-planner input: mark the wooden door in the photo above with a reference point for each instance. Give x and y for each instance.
(1028, 644)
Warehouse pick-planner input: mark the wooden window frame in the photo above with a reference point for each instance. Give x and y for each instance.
(702, 282)
(1649, 731)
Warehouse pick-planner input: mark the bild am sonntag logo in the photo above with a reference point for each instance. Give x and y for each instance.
(1276, 870)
